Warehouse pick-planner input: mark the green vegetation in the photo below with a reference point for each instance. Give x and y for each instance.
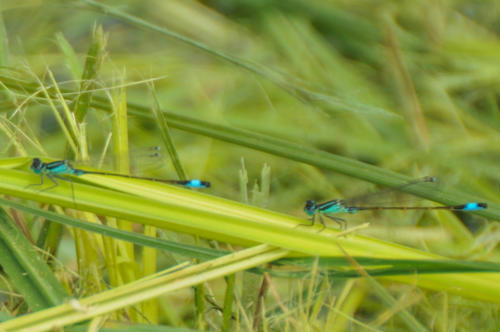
(273, 102)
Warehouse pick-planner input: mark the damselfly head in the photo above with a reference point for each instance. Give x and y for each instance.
(205, 184)
(36, 164)
(429, 179)
(310, 207)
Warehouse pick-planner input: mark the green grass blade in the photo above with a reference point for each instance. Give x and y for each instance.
(4, 46)
(93, 61)
(70, 56)
(29, 274)
(161, 120)
(383, 294)
(136, 238)
(324, 160)
(336, 266)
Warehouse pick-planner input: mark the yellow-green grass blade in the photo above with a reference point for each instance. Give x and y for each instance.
(68, 127)
(144, 289)
(334, 266)
(192, 212)
(185, 211)
(99, 199)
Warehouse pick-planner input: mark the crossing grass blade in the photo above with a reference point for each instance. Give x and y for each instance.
(197, 213)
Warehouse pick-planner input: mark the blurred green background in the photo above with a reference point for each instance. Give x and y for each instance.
(407, 86)
(411, 87)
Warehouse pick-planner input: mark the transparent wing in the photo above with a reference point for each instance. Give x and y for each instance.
(392, 195)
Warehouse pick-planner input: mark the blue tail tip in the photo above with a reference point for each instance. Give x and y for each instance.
(197, 184)
(473, 206)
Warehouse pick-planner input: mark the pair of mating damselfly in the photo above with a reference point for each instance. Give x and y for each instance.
(329, 208)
